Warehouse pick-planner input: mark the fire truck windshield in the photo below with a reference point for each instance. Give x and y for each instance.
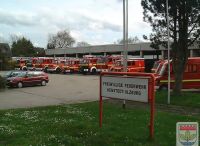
(84, 61)
(161, 70)
(118, 63)
(102, 60)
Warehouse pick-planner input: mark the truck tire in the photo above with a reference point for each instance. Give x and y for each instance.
(94, 71)
(45, 69)
(58, 70)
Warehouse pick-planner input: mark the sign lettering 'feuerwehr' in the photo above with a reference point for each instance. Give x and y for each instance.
(125, 88)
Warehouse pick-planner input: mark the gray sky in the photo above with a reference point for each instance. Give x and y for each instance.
(94, 21)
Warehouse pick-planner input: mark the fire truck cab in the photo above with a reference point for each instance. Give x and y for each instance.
(191, 75)
(42, 63)
(20, 64)
(87, 64)
(133, 65)
(56, 66)
(72, 66)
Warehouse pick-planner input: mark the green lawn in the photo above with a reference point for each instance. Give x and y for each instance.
(78, 125)
(188, 99)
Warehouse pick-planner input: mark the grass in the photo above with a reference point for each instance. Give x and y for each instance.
(77, 125)
(188, 99)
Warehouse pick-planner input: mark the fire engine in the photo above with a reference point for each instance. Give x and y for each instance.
(93, 64)
(21, 64)
(133, 65)
(56, 66)
(191, 75)
(72, 66)
(87, 64)
(30, 64)
(156, 65)
(42, 63)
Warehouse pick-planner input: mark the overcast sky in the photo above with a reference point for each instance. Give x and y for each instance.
(94, 21)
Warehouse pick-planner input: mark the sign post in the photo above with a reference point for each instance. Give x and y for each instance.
(128, 86)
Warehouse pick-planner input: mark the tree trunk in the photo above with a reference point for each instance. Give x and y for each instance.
(180, 57)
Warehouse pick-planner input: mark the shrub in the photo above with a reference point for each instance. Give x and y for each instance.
(2, 83)
(11, 65)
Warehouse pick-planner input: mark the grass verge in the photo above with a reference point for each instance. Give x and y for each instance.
(77, 125)
(188, 99)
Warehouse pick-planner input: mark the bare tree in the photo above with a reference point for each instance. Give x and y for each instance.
(62, 39)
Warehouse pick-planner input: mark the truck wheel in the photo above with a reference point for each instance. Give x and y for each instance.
(45, 69)
(71, 71)
(94, 71)
(20, 85)
(43, 83)
(58, 70)
(24, 68)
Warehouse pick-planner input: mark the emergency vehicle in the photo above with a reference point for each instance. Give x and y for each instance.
(57, 66)
(133, 65)
(72, 66)
(42, 63)
(191, 75)
(156, 65)
(87, 64)
(21, 64)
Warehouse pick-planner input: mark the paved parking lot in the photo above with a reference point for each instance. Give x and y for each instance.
(62, 89)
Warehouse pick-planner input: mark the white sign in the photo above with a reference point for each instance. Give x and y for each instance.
(128, 88)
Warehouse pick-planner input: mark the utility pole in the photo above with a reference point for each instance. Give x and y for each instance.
(168, 50)
(125, 38)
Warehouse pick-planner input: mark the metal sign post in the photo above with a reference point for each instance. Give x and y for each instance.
(168, 57)
(125, 37)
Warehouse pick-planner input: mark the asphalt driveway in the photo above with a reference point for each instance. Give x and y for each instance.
(62, 89)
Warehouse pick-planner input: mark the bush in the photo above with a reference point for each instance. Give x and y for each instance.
(11, 65)
(2, 83)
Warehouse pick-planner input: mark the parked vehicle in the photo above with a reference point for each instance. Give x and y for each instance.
(87, 64)
(30, 64)
(12, 73)
(133, 65)
(28, 78)
(72, 66)
(42, 63)
(57, 66)
(191, 75)
(21, 64)
(156, 65)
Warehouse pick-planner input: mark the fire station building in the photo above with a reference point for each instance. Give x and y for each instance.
(143, 50)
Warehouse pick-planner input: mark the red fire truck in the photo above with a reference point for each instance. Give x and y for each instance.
(42, 63)
(72, 66)
(87, 64)
(191, 76)
(156, 65)
(21, 64)
(57, 66)
(98, 64)
(133, 65)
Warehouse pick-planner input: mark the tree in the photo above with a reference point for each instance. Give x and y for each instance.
(22, 47)
(39, 52)
(131, 40)
(62, 39)
(184, 27)
(82, 44)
